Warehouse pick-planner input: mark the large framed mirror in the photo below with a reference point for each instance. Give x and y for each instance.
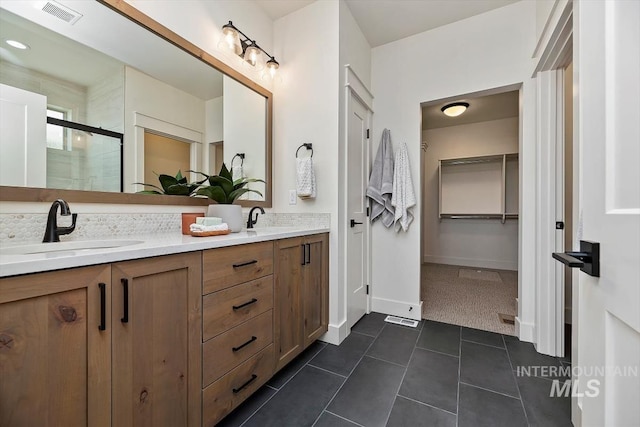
(114, 98)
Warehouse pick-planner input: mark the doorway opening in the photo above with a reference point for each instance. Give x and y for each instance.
(470, 195)
(165, 154)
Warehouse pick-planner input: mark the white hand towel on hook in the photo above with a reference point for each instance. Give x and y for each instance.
(237, 172)
(305, 178)
(403, 197)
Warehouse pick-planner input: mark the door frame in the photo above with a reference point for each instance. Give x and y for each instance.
(356, 89)
(554, 53)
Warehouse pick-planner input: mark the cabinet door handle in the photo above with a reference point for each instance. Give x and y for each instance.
(125, 289)
(103, 309)
(238, 307)
(241, 346)
(249, 381)
(244, 264)
(308, 259)
(304, 255)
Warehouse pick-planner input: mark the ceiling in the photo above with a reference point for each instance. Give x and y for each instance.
(385, 21)
(279, 8)
(481, 109)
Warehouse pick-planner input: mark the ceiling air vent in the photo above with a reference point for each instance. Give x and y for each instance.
(62, 12)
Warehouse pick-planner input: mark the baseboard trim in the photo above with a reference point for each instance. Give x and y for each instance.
(397, 308)
(524, 331)
(470, 262)
(336, 333)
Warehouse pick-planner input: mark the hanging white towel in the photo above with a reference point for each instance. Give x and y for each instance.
(305, 178)
(381, 182)
(403, 198)
(237, 172)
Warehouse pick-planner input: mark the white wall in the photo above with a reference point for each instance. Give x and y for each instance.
(243, 126)
(475, 243)
(483, 52)
(213, 120)
(543, 10)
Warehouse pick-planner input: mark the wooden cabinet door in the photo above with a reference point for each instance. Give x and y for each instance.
(315, 301)
(54, 358)
(288, 334)
(157, 334)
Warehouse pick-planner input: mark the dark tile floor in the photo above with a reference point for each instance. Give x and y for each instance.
(388, 375)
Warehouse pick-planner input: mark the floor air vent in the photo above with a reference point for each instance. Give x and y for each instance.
(507, 318)
(400, 321)
(62, 12)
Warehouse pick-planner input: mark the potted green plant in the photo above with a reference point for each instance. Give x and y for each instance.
(172, 186)
(223, 190)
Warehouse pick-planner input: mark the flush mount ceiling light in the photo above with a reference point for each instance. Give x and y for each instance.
(247, 49)
(17, 44)
(455, 109)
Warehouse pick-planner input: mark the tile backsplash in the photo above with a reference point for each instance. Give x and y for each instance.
(18, 228)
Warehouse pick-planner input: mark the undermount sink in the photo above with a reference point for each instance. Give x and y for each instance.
(39, 248)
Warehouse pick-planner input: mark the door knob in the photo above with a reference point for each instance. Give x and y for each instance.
(588, 259)
(353, 223)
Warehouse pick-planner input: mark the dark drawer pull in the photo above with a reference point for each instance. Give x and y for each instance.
(244, 264)
(103, 302)
(244, 345)
(249, 381)
(125, 290)
(238, 307)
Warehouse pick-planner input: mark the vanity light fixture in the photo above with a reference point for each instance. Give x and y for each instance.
(247, 49)
(17, 44)
(455, 109)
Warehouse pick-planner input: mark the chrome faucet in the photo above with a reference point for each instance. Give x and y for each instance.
(250, 221)
(52, 233)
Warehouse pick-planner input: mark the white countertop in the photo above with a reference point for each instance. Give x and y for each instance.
(150, 246)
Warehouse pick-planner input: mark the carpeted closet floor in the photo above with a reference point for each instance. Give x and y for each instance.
(468, 296)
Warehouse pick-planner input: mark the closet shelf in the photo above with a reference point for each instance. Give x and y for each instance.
(477, 216)
(477, 159)
(488, 184)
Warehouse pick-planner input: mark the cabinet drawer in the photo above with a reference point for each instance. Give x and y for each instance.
(224, 395)
(225, 267)
(229, 349)
(228, 308)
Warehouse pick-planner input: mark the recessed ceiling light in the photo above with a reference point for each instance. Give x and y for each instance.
(17, 44)
(455, 109)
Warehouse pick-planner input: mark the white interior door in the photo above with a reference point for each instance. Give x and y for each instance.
(23, 148)
(356, 259)
(607, 66)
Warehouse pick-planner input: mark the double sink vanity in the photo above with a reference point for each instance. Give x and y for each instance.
(168, 330)
(165, 331)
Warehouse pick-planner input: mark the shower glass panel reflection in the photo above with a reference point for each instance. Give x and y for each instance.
(81, 157)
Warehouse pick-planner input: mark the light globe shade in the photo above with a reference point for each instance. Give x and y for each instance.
(230, 39)
(253, 56)
(455, 109)
(272, 67)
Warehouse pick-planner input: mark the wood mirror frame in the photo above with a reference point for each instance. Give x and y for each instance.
(26, 194)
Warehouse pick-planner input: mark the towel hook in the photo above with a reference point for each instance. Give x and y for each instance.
(307, 145)
(241, 155)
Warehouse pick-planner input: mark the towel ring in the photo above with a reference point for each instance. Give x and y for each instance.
(308, 146)
(241, 155)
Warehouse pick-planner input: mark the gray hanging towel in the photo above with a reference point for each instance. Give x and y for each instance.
(380, 186)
